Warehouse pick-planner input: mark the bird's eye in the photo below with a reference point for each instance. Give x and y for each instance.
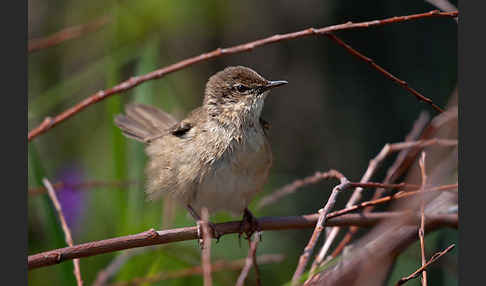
(241, 88)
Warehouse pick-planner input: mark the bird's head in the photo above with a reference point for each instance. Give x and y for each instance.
(237, 93)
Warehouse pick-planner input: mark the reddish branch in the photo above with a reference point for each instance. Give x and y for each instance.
(421, 231)
(84, 185)
(373, 165)
(295, 185)
(405, 160)
(443, 5)
(304, 258)
(152, 237)
(206, 251)
(418, 127)
(356, 197)
(399, 195)
(137, 80)
(424, 267)
(66, 34)
(65, 228)
(373, 255)
(250, 261)
(116, 264)
(404, 84)
(407, 157)
(317, 177)
(197, 270)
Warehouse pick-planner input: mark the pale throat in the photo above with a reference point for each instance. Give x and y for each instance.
(242, 114)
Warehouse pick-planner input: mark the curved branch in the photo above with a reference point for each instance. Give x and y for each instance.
(67, 34)
(387, 74)
(152, 237)
(49, 123)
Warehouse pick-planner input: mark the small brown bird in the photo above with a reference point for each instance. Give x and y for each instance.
(219, 156)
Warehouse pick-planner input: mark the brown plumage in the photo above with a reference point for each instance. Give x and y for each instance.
(218, 156)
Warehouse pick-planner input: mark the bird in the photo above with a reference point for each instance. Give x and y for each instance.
(219, 156)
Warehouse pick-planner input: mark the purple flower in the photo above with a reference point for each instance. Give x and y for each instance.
(71, 196)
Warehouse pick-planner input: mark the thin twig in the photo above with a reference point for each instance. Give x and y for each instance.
(369, 262)
(404, 84)
(304, 258)
(319, 176)
(356, 196)
(413, 135)
(206, 251)
(405, 158)
(83, 185)
(401, 164)
(255, 262)
(403, 161)
(65, 227)
(152, 237)
(418, 125)
(66, 34)
(382, 185)
(137, 80)
(219, 265)
(250, 261)
(436, 256)
(114, 266)
(444, 5)
(294, 186)
(421, 232)
(399, 195)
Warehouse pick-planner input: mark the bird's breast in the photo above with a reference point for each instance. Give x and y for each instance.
(238, 174)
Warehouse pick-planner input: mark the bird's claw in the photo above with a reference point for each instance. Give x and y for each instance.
(254, 226)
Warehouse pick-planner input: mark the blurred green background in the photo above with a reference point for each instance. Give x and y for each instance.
(336, 113)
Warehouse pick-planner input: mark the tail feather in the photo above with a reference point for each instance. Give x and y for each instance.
(142, 122)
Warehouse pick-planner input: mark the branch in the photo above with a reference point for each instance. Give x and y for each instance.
(319, 176)
(399, 195)
(114, 266)
(424, 267)
(405, 159)
(404, 84)
(84, 185)
(65, 228)
(443, 5)
(152, 237)
(66, 34)
(250, 261)
(206, 251)
(219, 265)
(366, 265)
(49, 123)
(421, 231)
(304, 258)
(294, 186)
(401, 164)
(356, 196)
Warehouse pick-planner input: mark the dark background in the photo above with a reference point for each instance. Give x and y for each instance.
(336, 112)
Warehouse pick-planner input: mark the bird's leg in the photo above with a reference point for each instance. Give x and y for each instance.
(198, 220)
(254, 226)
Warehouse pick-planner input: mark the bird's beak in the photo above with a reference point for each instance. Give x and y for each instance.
(273, 84)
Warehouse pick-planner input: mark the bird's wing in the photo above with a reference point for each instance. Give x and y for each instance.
(181, 128)
(144, 122)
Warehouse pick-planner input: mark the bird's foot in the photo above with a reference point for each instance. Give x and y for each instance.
(249, 218)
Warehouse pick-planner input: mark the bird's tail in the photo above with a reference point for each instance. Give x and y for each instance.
(143, 122)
